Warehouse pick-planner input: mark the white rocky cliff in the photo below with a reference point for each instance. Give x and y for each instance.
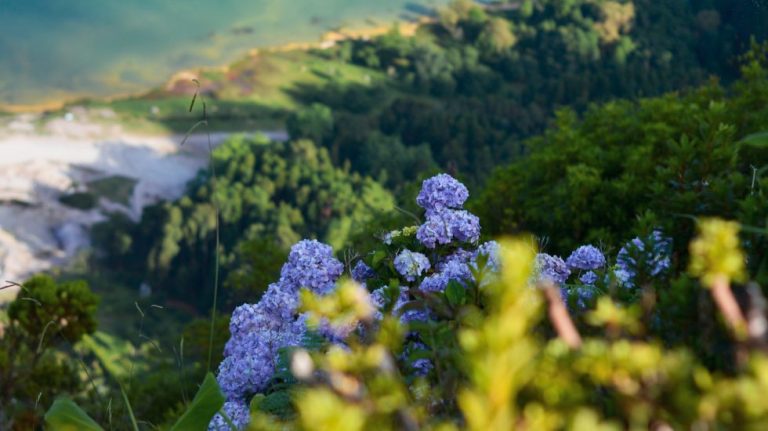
(43, 160)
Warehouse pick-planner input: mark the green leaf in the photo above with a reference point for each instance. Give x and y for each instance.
(419, 354)
(425, 330)
(455, 293)
(378, 257)
(256, 401)
(277, 404)
(410, 306)
(208, 401)
(312, 340)
(759, 139)
(65, 415)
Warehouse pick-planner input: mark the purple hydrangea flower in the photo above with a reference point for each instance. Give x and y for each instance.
(578, 297)
(491, 251)
(248, 318)
(584, 294)
(588, 278)
(441, 192)
(250, 359)
(378, 300)
(279, 302)
(387, 238)
(259, 331)
(465, 226)
(410, 315)
(362, 272)
(586, 258)
(411, 265)
(434, 231)
(336, 333)
(624, 276)
(551, 268)
(279, 333)
(443, 226)
(634, 257)
(311, 264)
(459, 256)
(453, 268)
(237, 411)
(421, 367)
(434, 283)
(456, 270)
(248, 368)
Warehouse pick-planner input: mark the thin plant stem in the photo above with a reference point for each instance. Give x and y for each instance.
(561, 320)
(130, 410)
(726, 302)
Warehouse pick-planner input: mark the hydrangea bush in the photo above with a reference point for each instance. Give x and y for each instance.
(259, 331)
(419, 274)
(422, 276)
(449, 332)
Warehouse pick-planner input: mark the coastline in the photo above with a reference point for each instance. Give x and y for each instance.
(62, 153)
(326, 40)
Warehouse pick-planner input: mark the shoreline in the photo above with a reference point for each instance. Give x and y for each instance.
(326, 40)
(65, 154)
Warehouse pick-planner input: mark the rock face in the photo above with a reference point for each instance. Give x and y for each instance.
(40, 164)
(71, 237)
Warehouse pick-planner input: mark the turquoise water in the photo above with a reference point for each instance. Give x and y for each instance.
(56, 49)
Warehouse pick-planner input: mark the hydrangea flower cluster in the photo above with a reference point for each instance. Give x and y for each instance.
(442, 192)
(588, 278)
(454, 267)
(362, 272)
(447, 224)
(237, 411)
(421, 367)
(650, 256)
(311, 264)
(584, 294)
(586, 258)
(634, 256)
(551, 268)
(442, 197)
(259, 331)
(411, 265)
(444, 225)
(411, 315)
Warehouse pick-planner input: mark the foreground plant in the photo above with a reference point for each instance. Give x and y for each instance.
(717, 259)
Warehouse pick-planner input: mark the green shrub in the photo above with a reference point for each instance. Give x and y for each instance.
(80, 200)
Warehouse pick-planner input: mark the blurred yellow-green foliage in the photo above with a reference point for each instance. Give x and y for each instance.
(716, 252)
(515, 377)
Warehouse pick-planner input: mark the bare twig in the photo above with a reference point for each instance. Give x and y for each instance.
(726, 302)
(558, 315)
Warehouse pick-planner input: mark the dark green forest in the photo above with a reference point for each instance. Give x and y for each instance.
(472, 86)
(267, 195)
(575, 121)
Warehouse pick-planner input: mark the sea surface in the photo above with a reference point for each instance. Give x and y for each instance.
(61, 49)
